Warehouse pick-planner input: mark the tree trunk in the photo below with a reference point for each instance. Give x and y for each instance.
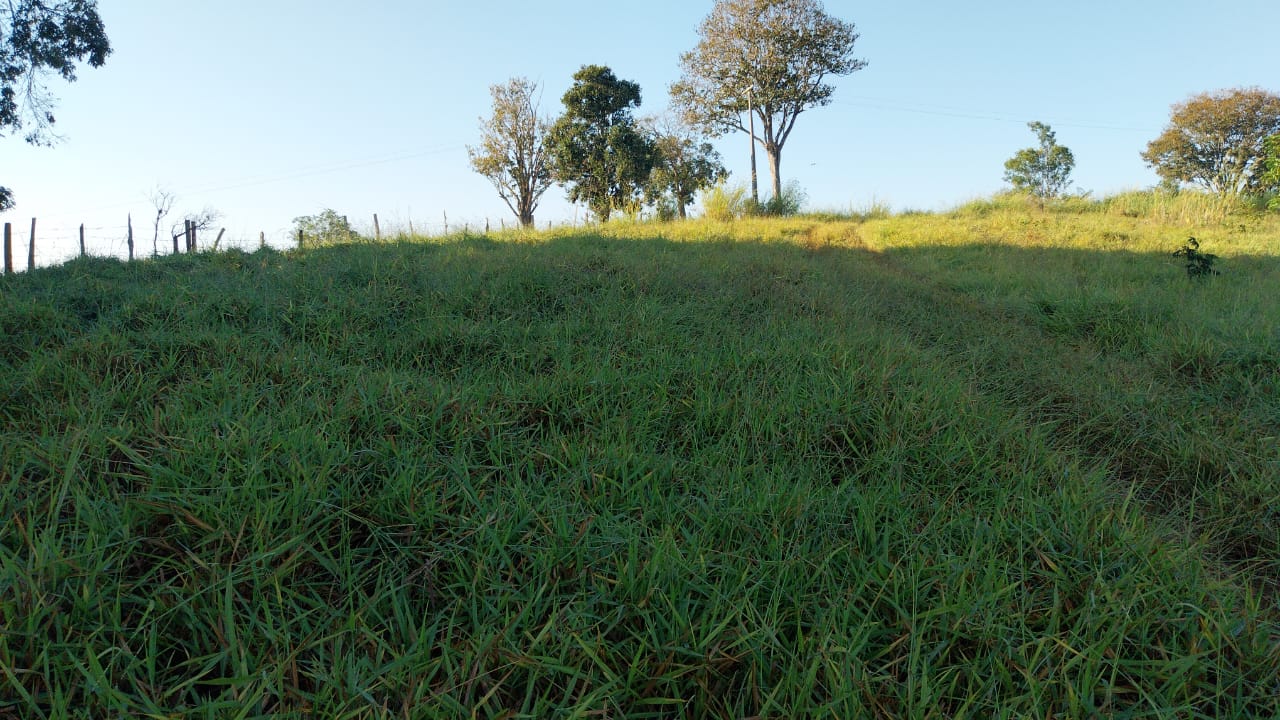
(526, 219)
(775, 160)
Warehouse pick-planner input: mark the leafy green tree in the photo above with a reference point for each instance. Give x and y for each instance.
(684, 164)
(513, 153)
(1043, 171)
(598, 151)
(325, 228)
(1216, 140)
(767, 57)
(38, 37)
(1271, 178)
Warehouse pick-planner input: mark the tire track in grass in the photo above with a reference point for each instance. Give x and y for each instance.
(1096, 403)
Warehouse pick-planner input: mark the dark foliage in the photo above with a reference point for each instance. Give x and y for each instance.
(1198, 264)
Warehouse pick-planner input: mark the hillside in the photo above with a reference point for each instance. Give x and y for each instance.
(1001, 462)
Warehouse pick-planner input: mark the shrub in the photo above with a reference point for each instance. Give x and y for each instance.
(1198, 264)
(724, 203)
(788, 202)
(325, 228)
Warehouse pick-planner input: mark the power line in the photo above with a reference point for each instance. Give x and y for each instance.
(944, 111)
(299, 174)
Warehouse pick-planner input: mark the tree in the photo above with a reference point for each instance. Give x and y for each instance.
(325, 228)
(203, 220)
(162, 200)
(38, 37)
(1042, 171)
(513, 150)
(1215, 140)
(1271, 178)
(597, 150)
(767, 57)
(684, 163)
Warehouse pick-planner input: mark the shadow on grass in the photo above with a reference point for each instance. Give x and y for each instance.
(638, 473)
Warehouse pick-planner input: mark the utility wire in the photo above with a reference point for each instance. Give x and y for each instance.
(944, 111)
(299, 174)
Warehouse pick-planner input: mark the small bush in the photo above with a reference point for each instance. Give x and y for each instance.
(1198, 264)
(665, 210)
(787, 203)
(1005, 201)
(724, 203)
(874, 210)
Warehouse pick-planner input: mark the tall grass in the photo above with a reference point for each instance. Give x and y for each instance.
(1188, 207)
(988, 465)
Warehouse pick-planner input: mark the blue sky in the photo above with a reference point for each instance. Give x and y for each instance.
(270, 109)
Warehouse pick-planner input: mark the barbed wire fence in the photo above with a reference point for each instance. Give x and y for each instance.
(42, 245)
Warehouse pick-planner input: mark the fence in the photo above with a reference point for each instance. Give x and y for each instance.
(119, 240)
(111, 240)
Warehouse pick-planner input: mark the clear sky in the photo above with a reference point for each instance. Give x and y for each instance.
(270, 109)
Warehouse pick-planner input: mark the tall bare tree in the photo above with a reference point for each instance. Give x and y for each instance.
(767, 57)
(162, 200)
(203, 220)
(1216, 140)
(512, 153)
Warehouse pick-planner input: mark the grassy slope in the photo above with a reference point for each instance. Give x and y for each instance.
(1004, 463)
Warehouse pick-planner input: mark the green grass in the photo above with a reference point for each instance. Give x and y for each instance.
(1006, 462)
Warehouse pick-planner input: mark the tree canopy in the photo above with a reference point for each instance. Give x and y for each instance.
(769, 57)
(513, 153)
(1043, 171)
(1271, 178)
(325, 228)
(684, 164)
(1216, 140)
(37, 38)
(599, 153)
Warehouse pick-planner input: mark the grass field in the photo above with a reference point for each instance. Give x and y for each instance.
(995, 463)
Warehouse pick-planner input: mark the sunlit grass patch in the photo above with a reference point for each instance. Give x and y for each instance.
(985, 465)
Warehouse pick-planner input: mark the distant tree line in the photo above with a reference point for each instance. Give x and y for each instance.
(1225, 142)
(757, 63)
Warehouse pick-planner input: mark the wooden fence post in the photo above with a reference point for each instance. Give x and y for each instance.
(130, 237)
(218, 240)
(411, 232)
(81, 239)
(486, 226)
(8, 248)
(377, 230)
(446, 222)
(194, 246)
(299, 238)
(31, 249)
(175, 243)
(262, 239)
